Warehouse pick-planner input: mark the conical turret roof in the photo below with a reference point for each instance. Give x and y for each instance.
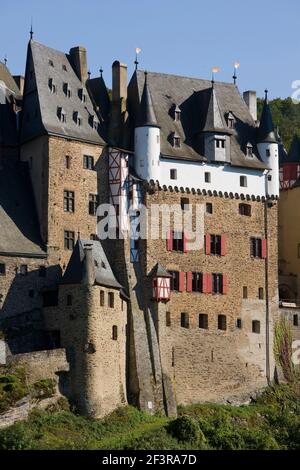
(214, 120)
(146, 116)
(266, 133)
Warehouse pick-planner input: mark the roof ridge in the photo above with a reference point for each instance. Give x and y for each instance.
(187, 77)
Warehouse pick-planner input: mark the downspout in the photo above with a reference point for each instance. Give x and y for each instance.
(268, 375)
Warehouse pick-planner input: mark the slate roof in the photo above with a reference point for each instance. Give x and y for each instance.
(266, 133)
(293, 155)
(159, 271)
(146, 116)
(44, 63)
(214, 121)
(9, 81)
(192, 96)
(104, 275)
(19, 230)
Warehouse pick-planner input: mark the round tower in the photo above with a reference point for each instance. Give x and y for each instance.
(147, 139)
(267, 145)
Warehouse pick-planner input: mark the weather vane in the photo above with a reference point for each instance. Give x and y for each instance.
(236, 66)
(5, 59)
(136, 62)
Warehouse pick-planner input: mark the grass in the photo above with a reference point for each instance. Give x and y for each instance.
(272, 422)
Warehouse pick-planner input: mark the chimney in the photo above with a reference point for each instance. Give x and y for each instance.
(251, 102)
(89, 271)
(119, 101)
(79, 62)
(20, 80)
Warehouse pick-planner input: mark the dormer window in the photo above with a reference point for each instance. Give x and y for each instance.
(64, 67)
(67, 90)
(176, 141)
(249, 150)
(177, 114)
(51, 63)
(51, 85)
(77, 118)
(82, 95)
(93, 122)
(230, 120)
(61, 115)
(220, 143)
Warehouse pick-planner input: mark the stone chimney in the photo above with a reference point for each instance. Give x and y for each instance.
(79, 62)
(251, 102)
(119, 102)
(89, 268)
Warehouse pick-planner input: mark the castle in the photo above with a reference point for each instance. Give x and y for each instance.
(155, 322)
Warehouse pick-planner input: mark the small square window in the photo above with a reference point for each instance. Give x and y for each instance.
(168, 318)
(173, 174)
(295, 320)
(222, 322)
(102, 298)
(67, 162)
(184, 320)
(69, 239)
(269, 177)
(115, 332)
(2, 269)
(51, 63)
(176, 142)
(268, 152)
(203, 321)
(245, 292)
(185, 203)
(88, 162)
(261, 293)
(255, 326)
(245, 209)
(207, 177)
(239, 323)
(111, 299)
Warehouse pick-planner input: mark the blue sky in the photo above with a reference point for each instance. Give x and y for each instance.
(184, 37)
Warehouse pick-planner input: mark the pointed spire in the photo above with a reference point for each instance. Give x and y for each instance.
(101, 72)
(266, 132)
(146, 115)
(214, 120)
(31, 31)
(294, 152)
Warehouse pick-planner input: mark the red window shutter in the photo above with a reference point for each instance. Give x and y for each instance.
(223, 245)
(225, 284)
(264, 248)
(209, 283)
(181, 282)
(170, 241)
(189, 282)
(185, 242)
(207, 244)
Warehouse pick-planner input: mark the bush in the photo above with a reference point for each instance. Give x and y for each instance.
(15, 438)
(185, 429)
(44, 388)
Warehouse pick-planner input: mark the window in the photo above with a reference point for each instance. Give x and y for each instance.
(230, 123)
(173, 174)
(168, 318)
(256, 247)
(61, 115)
(295, 320)
(102, 299)
(111, 299)
(245, 209)
(51, 85)
(77, 118)
(51, 63)
(42, 271)
(209, 208)
(222, 322)
(82, 95)
(184, 320)
(24, 269)
(185, 203)
(93, 203)
(67, 90)
(64, 67)
(249, 150)
(69, 300)
(178, 241)
(207, 177)
(176, 141)
(67, 162)
(220, 143)
(115, 332)
(260, 293)
(174, 281)
(243, 181)
(196, 282)
(203, 321)
(245, 292)
(239, 323)
(255, 326)
(268, 152)
(217, 283)
(215, 245)
(69, 201)
(88, 162)
(2, 269)
(69, 239)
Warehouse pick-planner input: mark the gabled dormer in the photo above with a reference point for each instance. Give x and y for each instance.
(215, 132)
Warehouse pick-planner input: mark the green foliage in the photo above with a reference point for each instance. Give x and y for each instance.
(272, 422)
(286, 116)
(283, 339)
(185, 428)
(44, 388)
(12, 386)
